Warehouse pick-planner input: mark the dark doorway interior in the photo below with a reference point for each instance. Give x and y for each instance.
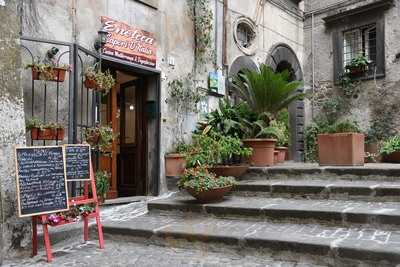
(131, 175)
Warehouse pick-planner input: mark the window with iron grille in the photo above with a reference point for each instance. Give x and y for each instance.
(360, 36)
(360, 42)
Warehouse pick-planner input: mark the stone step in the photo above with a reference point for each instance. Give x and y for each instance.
(321, 189)
(335, 211)
(308, 171)
(334, 245)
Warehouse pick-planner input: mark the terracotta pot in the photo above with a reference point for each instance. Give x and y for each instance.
(392, 158)
(229, 170)
(341, 149)
(263, 151)
(58, 74)
(210, 195)
(47, 134)
(276, 157)
(90, 83)
(174, 164)
(373, 148)
(283, 151)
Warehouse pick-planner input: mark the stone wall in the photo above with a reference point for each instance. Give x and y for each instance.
(14, 231)
(377, 98)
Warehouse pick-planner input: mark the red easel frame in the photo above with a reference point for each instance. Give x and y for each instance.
(81, 200)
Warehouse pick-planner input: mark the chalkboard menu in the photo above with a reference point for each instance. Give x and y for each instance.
(77, 159)
(41, 181)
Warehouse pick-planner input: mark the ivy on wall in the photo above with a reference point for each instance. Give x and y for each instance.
(202, 17)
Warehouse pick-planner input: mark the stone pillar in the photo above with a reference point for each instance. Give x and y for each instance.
(15, 232)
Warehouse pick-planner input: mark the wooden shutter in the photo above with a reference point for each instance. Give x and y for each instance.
(380, 47)
(337, 44)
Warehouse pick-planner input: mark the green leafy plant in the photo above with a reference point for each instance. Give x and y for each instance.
(227, 119)
(100, 137)
(266, 93)
(85, 210)
(214, 149)
(333, 108)
(318, 126)
(183, 97)
(37, 123)
(344, 126)
(102, 183)
(104, 80)
(200, 179)
(359, 61)
(390, 145)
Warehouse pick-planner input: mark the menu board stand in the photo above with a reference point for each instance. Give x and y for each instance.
(81, 200)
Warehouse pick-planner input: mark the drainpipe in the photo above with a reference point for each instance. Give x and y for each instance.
(313, 65)
(225, 34)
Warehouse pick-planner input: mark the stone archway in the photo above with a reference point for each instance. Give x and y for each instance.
(281, 57)
(240, 63)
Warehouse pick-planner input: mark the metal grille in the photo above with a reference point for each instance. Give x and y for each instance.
(359, 42)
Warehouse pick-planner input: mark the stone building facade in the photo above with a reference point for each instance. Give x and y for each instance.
(334, 33)
(245, 34)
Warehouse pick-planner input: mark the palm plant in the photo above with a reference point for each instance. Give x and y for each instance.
(265, 91)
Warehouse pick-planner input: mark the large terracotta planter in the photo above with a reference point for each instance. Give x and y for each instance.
(263, 151)
(282, 153)
(276, 157)
(341, 149)
(392, 157)
(58, 75)
(47, 134)
(174, 164)
(211, 195)
(229, 170)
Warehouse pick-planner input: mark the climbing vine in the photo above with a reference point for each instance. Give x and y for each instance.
(202, 17)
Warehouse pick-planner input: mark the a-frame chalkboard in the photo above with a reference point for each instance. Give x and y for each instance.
(41, 180)
(77, 159)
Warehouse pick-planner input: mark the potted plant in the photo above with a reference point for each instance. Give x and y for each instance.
(342, 144)
(48, 72)
(204, 185)
(100, 137)
(102, 185)
(86, 210)
(390, 149)
(357, 67)
(183, 98)
(266, 93)
(175, 163)
(282, 140)
(98, 80)
(44, 131)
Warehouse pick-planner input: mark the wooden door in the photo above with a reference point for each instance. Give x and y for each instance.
(131, 159)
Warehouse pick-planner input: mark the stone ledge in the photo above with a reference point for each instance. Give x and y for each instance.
(338, 211)
(334, 242)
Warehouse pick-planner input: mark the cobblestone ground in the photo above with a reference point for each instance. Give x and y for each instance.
(121, 251)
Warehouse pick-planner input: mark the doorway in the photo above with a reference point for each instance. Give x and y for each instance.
(131, 163)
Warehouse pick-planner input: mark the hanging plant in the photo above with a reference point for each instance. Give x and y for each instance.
(100, 137)
(48, 72)
(44, 131)
(98, 80)
(202, 17)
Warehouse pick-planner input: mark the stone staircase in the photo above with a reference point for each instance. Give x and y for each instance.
(328, 216)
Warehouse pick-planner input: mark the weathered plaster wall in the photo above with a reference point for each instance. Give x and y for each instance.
(14, 231)
(376, 98)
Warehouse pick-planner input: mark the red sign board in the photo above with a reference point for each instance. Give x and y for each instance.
(129, 43)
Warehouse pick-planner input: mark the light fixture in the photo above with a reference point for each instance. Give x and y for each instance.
(131, 107)
(102, 36)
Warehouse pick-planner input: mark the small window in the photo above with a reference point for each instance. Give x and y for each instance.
(244, 34)
(360, 42)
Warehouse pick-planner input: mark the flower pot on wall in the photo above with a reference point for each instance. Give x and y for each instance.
(174, 164)
(47, 134)
(282, 154)
(341, 149)
(90, 83)
(229, 170)
(263, 151)
(58, 75)
(211, 195)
